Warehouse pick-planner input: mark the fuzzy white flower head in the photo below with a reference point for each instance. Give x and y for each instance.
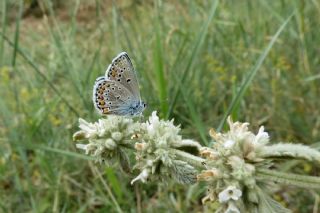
(161, 144)
(238, 130)
(106, 137)
(156, 128)
(240, 140)
(238, 133)
(229, 193)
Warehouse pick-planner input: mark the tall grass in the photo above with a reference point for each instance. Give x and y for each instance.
(4, 28)
(244, 86)
(190, 56)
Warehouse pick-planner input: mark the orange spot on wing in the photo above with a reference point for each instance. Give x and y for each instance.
(100, 91)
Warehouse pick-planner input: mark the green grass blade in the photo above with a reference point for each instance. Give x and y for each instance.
(312, 78)
(4, 29)
(115, 31)
(64, 51)
(37, 70)
(107, 188)
(278, 16)
(18, 149)
(158, 65)
(93, 62)
(193, 112)
(194, 53)
(17, 33)
(63, 152)
(195, 116)
(121, 27)
(235, 101)
(114, 183)
(15, 48)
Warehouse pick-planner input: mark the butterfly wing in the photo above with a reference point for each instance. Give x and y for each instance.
(111, 97)
(121, 70)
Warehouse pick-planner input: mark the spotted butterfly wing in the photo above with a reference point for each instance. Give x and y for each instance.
(121, 70)
(118, 92)
(110, 97)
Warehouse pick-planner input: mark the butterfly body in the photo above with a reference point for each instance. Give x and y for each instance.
(118, 91)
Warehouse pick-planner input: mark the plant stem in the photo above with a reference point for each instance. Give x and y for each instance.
(290, 150)
(192, 159)
(288, 178)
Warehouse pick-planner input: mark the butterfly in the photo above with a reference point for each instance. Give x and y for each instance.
(118, 92)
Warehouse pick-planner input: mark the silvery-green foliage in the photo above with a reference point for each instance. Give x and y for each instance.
(231, 168)
(107, 138)
(240, 161)
(290, 151)
(159, 150)
(182, 172)
(236, 169)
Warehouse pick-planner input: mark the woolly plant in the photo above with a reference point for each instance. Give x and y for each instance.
(239, 169)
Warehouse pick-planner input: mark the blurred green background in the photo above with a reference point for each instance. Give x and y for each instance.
(195, 61)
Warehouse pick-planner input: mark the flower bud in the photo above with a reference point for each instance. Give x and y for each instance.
(117, 136)
(140, 146)
(208, 175)
(110, 144)
(80, 135)
(209, 153)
